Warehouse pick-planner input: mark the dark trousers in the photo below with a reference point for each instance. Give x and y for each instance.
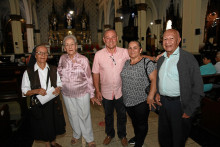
(109, 106)
(173, 129)
(139, 117)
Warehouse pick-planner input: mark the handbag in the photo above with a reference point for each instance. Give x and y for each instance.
(35, 105)
(147, 89)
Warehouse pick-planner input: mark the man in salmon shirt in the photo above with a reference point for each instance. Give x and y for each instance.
(107, 66)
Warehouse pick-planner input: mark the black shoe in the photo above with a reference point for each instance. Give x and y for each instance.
(132, 141)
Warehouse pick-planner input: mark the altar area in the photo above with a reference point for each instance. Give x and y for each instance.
(75, 24)
(55, 40)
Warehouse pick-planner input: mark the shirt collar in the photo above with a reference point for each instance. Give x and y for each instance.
(176, 52)
(114, 51)
(36, 67)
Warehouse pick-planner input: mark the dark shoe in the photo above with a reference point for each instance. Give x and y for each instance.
(124, 141)
(107, 140)
(55, 145)
(132, 141)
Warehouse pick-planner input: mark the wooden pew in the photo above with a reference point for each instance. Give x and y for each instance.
(214, 78)
(210, 106)
(6, 130)
(10, 85)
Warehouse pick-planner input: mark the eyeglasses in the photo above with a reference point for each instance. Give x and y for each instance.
(113, 59)
(69, 45)
(42, 53)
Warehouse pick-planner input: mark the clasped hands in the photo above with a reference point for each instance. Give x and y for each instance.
(151, 102)
(97, 99)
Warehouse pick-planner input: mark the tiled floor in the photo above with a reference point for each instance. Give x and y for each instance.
(99, 132)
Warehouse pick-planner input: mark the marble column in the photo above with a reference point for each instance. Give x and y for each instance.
(37, 36)
(17, 34)
(30, 38)
(191, 25)
(142, 26)
(36, 25)
(157, 33)
(107, 26)
(119, 30)
(100, 39)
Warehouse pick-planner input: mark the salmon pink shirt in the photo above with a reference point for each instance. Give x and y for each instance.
(76, 77)
(109, 67)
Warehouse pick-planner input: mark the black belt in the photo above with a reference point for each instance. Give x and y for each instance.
(171, 98)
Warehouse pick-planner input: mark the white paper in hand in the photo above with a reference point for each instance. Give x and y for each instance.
(48, 97)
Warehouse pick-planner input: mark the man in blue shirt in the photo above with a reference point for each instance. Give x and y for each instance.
(207, 69)
(180, 88)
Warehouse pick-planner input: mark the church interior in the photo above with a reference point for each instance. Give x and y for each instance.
(25, 24)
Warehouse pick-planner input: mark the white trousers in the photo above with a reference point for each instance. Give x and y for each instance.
(78, 110)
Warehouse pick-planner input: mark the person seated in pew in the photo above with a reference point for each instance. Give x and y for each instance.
(217, 59)
(207, 69)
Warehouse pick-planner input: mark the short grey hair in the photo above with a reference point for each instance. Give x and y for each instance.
(108, 31)
(69, 36)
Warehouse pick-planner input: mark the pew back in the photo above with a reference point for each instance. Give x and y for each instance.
(10, 85)
(210, 106)
(214, 78)
(6, 130)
